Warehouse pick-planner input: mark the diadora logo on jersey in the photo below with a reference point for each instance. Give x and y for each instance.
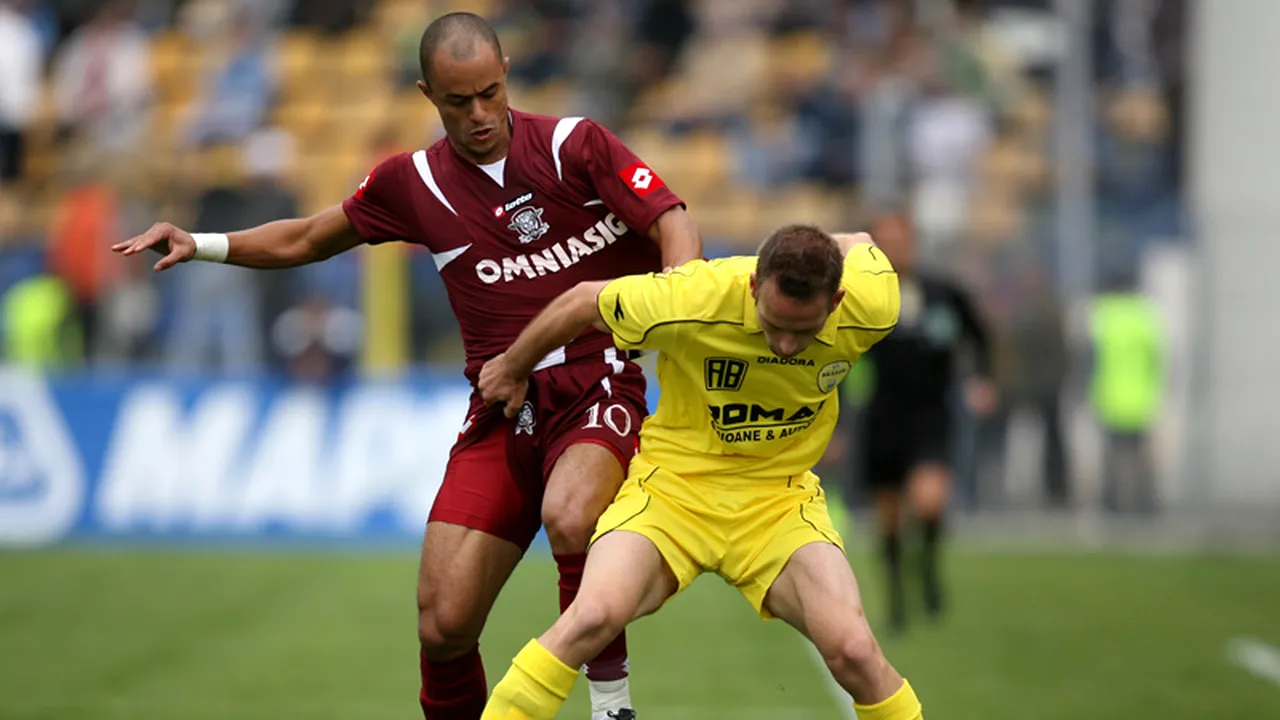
(641, 179)
(528, 222)
(555, 258)
(775, 360)
(507, 207)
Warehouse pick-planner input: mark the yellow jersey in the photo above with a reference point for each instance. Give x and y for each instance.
(728, 405)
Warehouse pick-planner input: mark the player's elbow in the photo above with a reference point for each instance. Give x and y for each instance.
(581, 304)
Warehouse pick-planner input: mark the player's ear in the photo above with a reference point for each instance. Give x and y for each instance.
(506, 66)
(425, 89)
(835, 299)
(755, 287)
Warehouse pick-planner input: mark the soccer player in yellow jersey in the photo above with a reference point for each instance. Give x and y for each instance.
(751, 350)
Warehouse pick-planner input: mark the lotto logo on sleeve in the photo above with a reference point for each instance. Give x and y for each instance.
(360, 190)
(641, 179)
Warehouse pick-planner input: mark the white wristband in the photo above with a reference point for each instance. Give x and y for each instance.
(211, 247)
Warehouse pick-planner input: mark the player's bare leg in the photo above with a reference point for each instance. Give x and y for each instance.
(626, 578)
(928, 490)
(583, 482)
(889, 522)
(459, 577)
(817, 594)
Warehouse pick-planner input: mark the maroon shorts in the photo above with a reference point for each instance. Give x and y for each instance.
(498, 467)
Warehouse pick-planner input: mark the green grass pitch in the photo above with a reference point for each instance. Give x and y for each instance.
(137, 634)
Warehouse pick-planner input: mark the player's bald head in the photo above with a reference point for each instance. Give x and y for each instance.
(461, 34)
(802, 260)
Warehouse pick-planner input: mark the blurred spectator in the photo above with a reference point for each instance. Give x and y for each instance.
(102, 79)
(20, 71)
(219, 325)
(330, 16)
(663, 30)
(128, 316)
(771, 148)
(319, 342)
(1127, 389)
(86, 223)
(1031, 382)
(40, 328)
(241, 90)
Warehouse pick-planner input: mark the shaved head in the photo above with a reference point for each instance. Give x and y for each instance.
(461, 34)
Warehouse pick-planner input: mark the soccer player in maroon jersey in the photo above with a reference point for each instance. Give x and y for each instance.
(515, 209)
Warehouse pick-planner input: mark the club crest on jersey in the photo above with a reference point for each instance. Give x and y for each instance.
(526, 420)
(529, 223)
(832, 374)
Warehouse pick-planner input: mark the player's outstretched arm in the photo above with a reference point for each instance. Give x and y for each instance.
(283, 243)
(505, 378)
(677, 235)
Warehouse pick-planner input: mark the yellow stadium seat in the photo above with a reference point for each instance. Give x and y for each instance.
(799, 58)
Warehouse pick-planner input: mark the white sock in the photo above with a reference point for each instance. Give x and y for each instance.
(609, 695)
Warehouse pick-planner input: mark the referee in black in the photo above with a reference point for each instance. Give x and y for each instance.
(907, 426)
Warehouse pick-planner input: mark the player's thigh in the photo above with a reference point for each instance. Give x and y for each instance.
(460, 574)
(484, 517)
(929, 488)
(888, 503)
(626, 574)
(655, 505)
(767, 527)
(817, 594)
(584, 480)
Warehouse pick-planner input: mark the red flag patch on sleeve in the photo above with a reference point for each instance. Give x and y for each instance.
(641, 179)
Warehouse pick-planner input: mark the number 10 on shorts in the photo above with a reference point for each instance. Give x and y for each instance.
(613, 416)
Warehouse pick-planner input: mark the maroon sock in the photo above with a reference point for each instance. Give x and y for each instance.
(454, 689)
(611, 663)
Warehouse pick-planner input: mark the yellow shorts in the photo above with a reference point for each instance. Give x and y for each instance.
(743, 530)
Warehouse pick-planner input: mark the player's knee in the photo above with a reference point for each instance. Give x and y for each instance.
(569, 525)
(596, 619)
(855, 653)
(446, 630)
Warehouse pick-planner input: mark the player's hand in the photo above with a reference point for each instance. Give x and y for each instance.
(174, 243)
(498, 385)
(981, 397)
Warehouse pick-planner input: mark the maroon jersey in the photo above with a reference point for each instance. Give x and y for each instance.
(569, 204)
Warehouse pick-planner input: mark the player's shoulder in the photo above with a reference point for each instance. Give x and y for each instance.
(713, 288)
(872, 297)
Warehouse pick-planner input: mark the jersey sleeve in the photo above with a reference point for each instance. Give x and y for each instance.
(643, 312)
(381, 208)
(872, 295)
(626, 185)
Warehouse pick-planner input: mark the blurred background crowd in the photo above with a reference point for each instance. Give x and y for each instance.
(222, 114)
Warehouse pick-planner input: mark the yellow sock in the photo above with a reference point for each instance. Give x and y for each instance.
(533, 689)
(902, 705)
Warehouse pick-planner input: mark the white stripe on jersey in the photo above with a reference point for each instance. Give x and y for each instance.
(563, 130)
(448, 256)
(424, 170)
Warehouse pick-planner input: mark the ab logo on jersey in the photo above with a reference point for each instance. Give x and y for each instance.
(724, 373)
(641, 179)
